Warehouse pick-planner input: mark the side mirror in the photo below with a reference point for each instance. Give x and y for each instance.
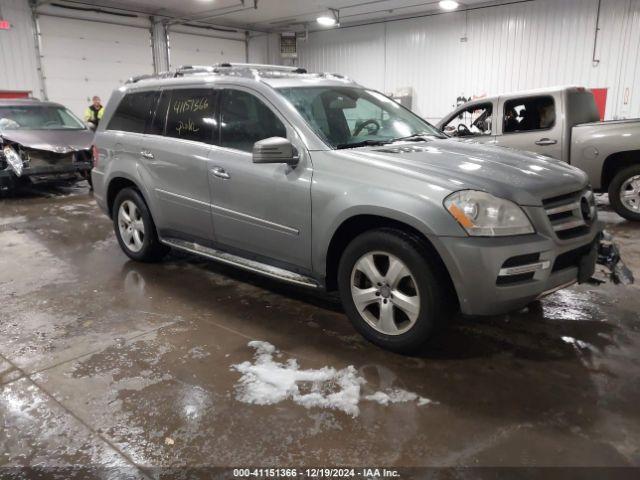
(275, 150)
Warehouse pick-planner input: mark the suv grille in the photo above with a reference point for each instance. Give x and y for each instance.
(572, 214)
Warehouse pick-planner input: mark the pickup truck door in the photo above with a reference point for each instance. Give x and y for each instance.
(259, 209)
(475, 123)
(531, 123)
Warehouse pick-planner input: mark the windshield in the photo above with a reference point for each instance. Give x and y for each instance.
(347, 117)
(38, 117)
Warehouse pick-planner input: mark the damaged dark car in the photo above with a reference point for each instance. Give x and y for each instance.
(42, 142)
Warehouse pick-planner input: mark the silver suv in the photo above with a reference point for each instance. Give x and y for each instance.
(315, 180)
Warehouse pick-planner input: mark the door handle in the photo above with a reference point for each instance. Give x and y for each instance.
(220, 172)
(546, 141)
(146, 154)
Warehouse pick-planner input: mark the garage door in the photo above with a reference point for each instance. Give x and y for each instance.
(188, 49)
(81, 59)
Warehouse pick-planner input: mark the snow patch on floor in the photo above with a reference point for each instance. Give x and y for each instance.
(266, 381)
(397, 395)
(576, 342)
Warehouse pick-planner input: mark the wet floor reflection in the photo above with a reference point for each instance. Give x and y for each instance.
(134, 363)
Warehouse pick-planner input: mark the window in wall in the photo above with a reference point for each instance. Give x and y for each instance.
(474, 121)
(245, 119)
(133, 112)
(529, 114)
(192, 115)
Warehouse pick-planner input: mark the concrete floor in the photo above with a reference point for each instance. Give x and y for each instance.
(107, 362)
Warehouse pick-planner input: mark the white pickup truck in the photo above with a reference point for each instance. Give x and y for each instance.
(563, 123)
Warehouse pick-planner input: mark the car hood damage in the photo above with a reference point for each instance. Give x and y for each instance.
(44, 151)
(56, 141)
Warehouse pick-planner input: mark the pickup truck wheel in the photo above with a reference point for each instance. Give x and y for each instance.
(390, 291)
(135, 229)
(624, 193)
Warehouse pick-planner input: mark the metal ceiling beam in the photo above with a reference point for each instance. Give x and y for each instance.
(216, 12)
(302, 18)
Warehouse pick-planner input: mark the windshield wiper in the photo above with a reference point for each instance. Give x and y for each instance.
(364, 143)
(416, 137)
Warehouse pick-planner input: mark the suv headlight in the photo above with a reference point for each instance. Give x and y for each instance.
(483, 215)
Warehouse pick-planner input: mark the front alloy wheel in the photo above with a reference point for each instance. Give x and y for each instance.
(393, 289)
(385, 293)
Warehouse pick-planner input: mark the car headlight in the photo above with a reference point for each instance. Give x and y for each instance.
(483, 215)
(13, 159)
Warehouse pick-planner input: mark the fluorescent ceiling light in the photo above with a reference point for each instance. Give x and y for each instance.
(326, 21)
(449, 4)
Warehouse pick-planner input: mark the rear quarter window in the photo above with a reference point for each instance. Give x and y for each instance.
(134, 112)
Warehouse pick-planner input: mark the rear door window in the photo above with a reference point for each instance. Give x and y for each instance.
(529, 114)
(192, 115)
(134, 112)
(245, 119)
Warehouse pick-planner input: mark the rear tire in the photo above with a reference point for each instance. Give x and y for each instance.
(134, 228)
(392, 291)
(624, 193)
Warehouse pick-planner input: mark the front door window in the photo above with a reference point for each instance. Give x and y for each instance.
(473, 121)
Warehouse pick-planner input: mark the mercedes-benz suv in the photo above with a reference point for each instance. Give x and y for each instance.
(315, 180)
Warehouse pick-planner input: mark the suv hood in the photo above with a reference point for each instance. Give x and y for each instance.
(58, 141)
(523, 177)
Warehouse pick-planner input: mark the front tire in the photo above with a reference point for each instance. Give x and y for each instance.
(135, 229)
(624, 193)
(391, 290)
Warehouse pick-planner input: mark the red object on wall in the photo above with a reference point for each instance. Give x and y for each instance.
(5, 25)
(600, 94)
(9, 94)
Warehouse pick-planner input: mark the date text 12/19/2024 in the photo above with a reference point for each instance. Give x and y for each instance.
(315, 473)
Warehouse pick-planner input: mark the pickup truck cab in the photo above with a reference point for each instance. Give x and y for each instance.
(562, 123)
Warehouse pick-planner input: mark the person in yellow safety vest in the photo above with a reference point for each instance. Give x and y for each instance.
(93, 113)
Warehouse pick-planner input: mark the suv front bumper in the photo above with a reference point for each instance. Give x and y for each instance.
(487, 272)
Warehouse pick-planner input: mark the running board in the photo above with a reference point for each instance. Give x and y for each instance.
(241, 262)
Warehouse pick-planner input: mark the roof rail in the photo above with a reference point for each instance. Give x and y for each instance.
(224, 67)
(262, 66)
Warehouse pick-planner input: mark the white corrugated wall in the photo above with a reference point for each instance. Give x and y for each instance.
(187, 48)
(524, 45)
(18, 69)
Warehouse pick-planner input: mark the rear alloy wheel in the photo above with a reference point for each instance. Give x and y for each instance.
(392, 292)
(131, 226)
(624, 193)
(135, 229)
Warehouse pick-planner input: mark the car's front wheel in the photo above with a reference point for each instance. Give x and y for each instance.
(135, 229)
(624, 193)
(391, 291)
